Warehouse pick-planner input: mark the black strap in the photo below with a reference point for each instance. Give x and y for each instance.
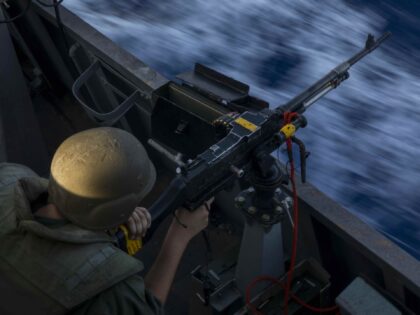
(39, 202)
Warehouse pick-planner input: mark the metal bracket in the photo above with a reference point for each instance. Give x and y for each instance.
(103, 119)
(4, 2)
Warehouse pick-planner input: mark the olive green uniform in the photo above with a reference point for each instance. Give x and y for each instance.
(50, 268)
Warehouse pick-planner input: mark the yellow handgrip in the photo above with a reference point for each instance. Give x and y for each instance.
(288, 130)
(133, 246)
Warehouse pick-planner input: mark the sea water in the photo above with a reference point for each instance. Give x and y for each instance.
(364, 137)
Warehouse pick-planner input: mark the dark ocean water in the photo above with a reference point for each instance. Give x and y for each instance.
(364, 137)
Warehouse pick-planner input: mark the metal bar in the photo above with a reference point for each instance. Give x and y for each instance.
(41, 34)
(108, 118)
(97, 87)
(137, 72)
(20, 136)
(93, 86)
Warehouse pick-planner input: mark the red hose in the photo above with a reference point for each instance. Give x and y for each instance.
(287, 119)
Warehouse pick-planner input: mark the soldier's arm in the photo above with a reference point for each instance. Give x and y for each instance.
(182, 230)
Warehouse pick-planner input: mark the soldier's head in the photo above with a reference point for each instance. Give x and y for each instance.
(99, 176)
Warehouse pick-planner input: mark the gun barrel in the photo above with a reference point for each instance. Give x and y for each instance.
(370, 45)
(321, 87)
(330, 81)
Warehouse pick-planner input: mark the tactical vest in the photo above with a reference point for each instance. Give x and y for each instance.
(50, 270)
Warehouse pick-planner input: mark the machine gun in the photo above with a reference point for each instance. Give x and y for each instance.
(244, 150)
(248, 132)
(248, 140)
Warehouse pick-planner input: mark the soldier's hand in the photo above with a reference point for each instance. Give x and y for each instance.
(138, 223)
(189, 223)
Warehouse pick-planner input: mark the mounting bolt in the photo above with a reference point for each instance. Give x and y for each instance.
(278, 190)
(4, 2)
(288, 202)
(265, 217)
(237, 171)
(36, 71)
(279, 210)
(252, 210)
(250, 190)
(239, 201)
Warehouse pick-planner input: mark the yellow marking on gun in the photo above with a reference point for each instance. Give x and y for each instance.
(288, 130)
(133, 246)
(246, 124)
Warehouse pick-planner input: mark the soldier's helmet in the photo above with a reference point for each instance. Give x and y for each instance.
(98, 176)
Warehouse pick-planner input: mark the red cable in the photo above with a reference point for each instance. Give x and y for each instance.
(287, 119)
(295, 230)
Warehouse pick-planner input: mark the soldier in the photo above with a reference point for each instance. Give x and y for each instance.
(57, 250)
